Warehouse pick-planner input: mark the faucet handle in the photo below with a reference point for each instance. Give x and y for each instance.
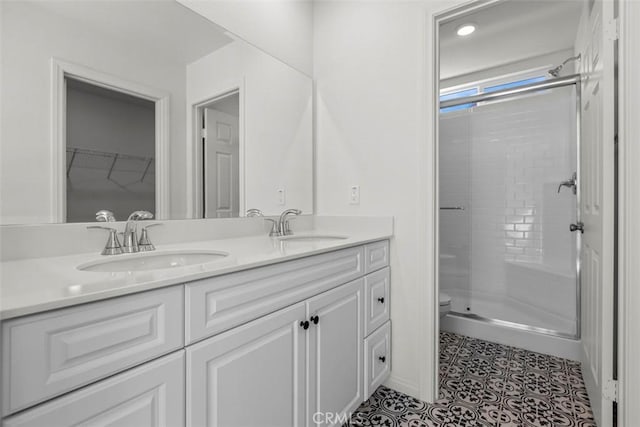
(113, 246)
(105, 216)
(144, 244)
(138, 215)
(151, 225)
(274, 227)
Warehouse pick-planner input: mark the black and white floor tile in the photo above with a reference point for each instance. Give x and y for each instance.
(488, 384)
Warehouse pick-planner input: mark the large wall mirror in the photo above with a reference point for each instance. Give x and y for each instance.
(128, 105)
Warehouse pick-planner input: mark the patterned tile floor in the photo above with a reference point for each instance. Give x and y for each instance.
(488, 384)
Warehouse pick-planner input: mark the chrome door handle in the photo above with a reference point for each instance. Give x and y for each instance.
(576, 227)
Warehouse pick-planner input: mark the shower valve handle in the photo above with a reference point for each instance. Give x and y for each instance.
(576, 227)
(572, 183)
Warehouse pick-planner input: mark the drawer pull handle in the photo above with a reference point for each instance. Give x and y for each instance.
(381, 300)
(382, 358)
(304, 324)
(315, 319)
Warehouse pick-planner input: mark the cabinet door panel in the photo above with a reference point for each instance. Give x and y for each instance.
(252, 375)
(151, 395)
(335, 352)
(51, 353)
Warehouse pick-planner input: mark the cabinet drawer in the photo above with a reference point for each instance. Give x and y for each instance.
(55, 352)
(221, 303)
(376, 297)
(151, 395)
(376, 256)
(377, 359)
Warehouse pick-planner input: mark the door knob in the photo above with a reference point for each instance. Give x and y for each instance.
(382, 358)
(315, 319)
(381, 300)
(304, 324)
(576, 227)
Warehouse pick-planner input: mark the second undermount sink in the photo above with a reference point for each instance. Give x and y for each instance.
(311, 238)
(153, 261)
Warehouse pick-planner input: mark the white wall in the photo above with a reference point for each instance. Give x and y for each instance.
(282, 28)
(277, 101)
(372, 62)
(26, 74)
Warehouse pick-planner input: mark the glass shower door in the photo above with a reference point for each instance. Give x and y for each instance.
(509, 255)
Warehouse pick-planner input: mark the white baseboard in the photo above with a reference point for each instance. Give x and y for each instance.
(403, 385)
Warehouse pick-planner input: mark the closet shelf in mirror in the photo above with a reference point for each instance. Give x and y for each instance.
(109, 161)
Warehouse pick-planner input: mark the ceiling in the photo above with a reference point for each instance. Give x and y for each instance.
(510, 31)
(163, 27)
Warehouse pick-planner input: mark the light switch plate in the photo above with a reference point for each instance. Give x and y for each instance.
(354, 195)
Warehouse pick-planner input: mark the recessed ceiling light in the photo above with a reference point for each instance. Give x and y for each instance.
(466, 29)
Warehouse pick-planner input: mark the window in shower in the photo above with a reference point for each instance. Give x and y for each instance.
(457, 95)
(514, 84)
(487, 86)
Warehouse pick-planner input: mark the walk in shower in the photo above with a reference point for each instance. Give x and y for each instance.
(507, 196)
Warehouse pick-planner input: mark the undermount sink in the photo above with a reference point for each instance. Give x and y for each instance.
(311, 238)
(153, 261)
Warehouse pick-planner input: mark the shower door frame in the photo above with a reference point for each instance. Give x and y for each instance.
(554, 83)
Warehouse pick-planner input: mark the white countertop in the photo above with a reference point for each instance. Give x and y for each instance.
(34, 285)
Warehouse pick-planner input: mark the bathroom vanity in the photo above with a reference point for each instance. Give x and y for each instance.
(269, 336)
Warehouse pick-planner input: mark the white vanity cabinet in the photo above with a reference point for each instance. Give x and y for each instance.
(269, 371)
(298, 343)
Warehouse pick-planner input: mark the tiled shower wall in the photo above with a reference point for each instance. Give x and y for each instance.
(503, 162)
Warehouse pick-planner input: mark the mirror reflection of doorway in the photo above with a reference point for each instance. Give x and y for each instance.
(221, 156)
(111, 151)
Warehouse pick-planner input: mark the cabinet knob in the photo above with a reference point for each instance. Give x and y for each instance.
(382, 358)
(304, 324)
(381, 300)
(315, 319)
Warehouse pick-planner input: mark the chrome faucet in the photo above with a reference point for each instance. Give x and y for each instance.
(283, 222)
(130, 238)
(105, 216)
(113, 246)
(274, 224)
(254, 212)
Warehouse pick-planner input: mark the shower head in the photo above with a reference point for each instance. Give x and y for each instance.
(555, 72)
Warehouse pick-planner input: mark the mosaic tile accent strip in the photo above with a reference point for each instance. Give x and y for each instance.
(488, 384)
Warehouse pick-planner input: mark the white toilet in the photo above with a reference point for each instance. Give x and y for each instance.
(445, 304)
